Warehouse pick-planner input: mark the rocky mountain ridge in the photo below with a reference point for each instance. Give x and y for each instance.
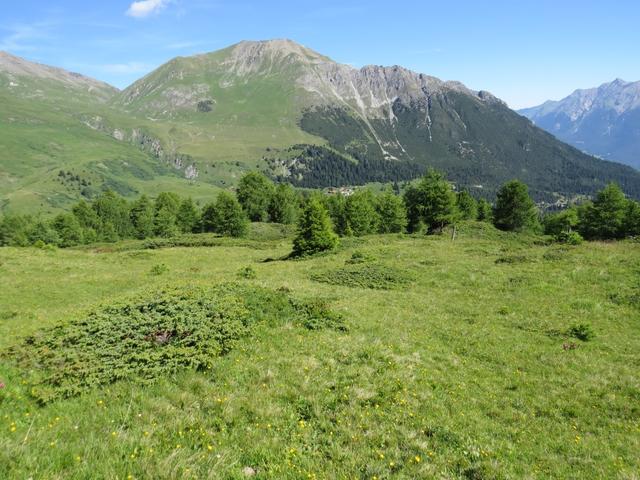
(604, 121)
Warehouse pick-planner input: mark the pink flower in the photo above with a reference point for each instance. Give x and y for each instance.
(2, 385)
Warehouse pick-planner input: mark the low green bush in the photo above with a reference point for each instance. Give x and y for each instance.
(365, 275)
(581, 331)
(248, 273)
(155, 334)
(570, 238)
(360, 257)
(159, 269)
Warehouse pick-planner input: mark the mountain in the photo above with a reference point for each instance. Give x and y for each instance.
(318, 123)
(604, 121)
(50, 156)
(197, 123)
(35, 81)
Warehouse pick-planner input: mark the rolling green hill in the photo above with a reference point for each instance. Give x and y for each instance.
(196, 124)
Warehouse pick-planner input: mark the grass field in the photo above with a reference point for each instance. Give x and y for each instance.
(458, 364)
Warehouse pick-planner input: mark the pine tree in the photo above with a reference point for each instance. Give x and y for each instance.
(68, 229)
(187, 217)
(412, 202)
(165, 223)
(485, 211)
(169, 201)
(515, 210)
(605, 217)
(315, 232)
(208, 218)
(113, 210)
(632, 219)
(142, 217)
(391, 213)
(254, 194)
(336, 205)
(229, 217)
(284, 204)
(467, 206)
(432, 201)
(86, 215)
(360, 209)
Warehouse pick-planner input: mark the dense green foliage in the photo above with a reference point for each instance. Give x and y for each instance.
(515, 210)
(467, 206)
(605, 217)
(432, 203)
(255, 193)
(361, 214)
(315, 232)
(315, 166)
(485, 210)
(228, 217)
(559, 222)
(392, 213)
(284, 205)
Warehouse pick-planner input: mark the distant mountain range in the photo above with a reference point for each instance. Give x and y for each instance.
(603, 121)
(197, 123)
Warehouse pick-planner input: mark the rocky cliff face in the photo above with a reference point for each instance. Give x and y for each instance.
(604, 121)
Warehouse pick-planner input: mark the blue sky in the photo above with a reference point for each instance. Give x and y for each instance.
(522, 51)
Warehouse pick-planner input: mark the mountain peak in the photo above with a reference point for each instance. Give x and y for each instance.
(274, 50)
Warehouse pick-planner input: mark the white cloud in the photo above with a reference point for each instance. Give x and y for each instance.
(144, 8)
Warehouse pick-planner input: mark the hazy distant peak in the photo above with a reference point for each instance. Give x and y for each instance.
(603, 120)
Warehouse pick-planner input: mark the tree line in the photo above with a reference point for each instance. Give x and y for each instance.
(110, 217)
(429, 206)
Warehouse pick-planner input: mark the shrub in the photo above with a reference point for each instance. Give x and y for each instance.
(365, 275)
(570, 238)
(154, 335)
(159, 269)
(247, 273)
(581, 331)
(316, 315)
(359, 257)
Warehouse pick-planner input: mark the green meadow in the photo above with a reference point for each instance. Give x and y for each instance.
(494, 356)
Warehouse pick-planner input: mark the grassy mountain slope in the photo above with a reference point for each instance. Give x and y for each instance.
(45, 128)
(466, 372)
